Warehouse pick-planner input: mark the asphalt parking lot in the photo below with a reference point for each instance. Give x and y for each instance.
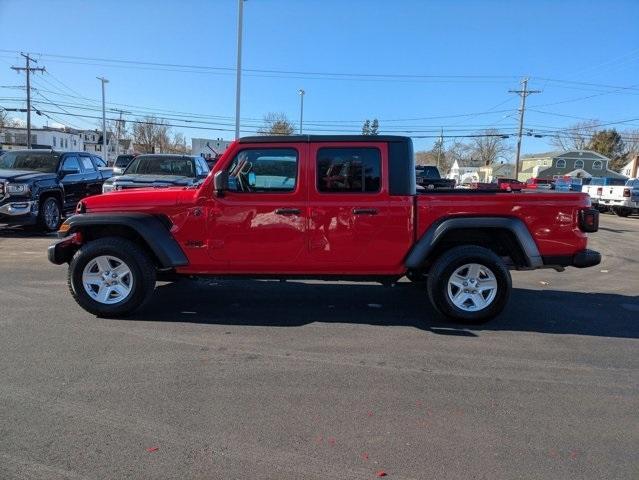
(315, 380)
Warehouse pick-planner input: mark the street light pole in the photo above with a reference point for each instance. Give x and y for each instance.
(238, 80)
(302, 93)
(104, 136)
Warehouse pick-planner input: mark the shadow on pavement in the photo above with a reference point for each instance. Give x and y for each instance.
(24, 232)
(293, 304)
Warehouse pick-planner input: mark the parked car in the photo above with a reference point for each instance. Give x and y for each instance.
(595, 188)
(38, 187)
(271, 210)
(622, 200)
(538, 184)
(429, 177)
(510, 184)
(121, 163)
(159, 170)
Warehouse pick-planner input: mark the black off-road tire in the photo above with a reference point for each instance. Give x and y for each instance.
(44, 223)
(139, 263)
(444, 267)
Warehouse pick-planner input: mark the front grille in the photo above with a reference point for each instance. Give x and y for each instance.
(3, 189)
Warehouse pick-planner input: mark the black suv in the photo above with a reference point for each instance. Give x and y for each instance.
(37, 187)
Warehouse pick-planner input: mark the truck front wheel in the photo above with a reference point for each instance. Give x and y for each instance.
(469, 284)
(111, 277)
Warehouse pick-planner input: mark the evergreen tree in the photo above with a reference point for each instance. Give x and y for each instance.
(366, 128)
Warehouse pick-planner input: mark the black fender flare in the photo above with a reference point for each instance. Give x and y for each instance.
(153, 230)
(425, 245)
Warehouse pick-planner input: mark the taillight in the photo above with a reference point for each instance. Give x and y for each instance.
(589, 220)
(600, 191)
(626, 192)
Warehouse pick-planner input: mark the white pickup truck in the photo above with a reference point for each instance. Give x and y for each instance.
(595, 189)
(623, 200)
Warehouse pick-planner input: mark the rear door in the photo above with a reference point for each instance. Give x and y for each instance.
(92, 178)
(260, 224)
(72, 181)
(350, 209)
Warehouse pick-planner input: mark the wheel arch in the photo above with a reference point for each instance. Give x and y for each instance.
(149, 231)
(500, 234)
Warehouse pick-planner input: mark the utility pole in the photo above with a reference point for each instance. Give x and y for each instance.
(104, 132)
(440, 147)
(28, 69)
(523, 93)
(238, 80)
(302, 93)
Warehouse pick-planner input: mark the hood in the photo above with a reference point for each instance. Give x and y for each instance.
(24, 175)
(151, 180)
(138, 199)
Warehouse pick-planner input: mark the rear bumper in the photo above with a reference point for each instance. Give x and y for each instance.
(583, 259)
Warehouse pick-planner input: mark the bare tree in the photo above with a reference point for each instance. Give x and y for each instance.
(178, 145)
(489, 147)
(151, 134)
(577, 136)
(459, 151)
(631, 141)
(6, 121)
(276, 124)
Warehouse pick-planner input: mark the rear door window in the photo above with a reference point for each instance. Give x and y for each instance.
(87, 164)
(349, 170)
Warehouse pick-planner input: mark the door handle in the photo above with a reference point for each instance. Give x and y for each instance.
(364, 211)
(288, 211)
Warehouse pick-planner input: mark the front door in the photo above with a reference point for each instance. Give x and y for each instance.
(260, 224)
(349, 230)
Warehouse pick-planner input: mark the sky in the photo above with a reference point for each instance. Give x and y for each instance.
(420, 67)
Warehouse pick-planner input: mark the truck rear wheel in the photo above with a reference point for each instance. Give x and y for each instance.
(111, 277)
(469, 284)
(622, 211)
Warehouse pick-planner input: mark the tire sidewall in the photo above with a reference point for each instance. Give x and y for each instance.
(42, 209)
(450, 262)
(76, 268)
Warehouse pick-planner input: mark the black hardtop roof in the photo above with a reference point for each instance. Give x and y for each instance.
(323, 138)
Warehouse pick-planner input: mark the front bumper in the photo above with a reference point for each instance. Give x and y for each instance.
(18, 213)
(583, 259)
(63, 250)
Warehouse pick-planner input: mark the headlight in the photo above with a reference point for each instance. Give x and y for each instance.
(18, 189)
(107, 187)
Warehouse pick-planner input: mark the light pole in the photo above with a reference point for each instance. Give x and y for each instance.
(302, 93)
(238, 80)
(104, 137)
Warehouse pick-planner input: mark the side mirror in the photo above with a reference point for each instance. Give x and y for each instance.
(221, 183)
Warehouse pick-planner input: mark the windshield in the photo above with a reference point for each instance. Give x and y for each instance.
(161, 165)
(45, 162)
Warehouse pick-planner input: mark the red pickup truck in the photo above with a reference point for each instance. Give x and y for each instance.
(327, 207)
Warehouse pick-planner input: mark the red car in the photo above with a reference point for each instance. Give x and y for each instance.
(328, 207)
(510, 184)
(538, 184)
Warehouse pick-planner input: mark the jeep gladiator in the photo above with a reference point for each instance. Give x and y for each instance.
(326, 207)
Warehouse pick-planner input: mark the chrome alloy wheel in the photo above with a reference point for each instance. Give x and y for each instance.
(107, 279)
(51, 215)
(472, 287)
